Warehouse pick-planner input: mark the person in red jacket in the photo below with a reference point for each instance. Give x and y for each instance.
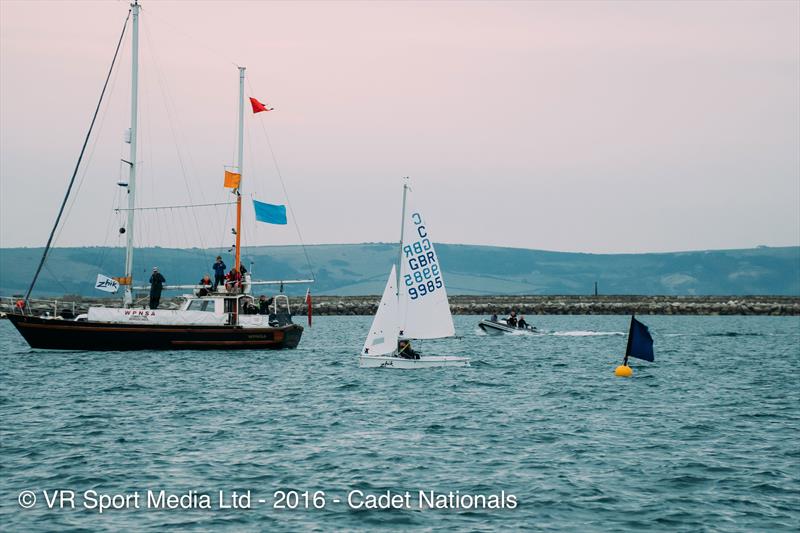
(234, 280)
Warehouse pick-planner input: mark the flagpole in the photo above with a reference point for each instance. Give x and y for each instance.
(241, 157)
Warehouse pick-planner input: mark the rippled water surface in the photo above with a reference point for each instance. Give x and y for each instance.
(704, 439)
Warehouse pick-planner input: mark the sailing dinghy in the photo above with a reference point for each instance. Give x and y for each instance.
(414, 306)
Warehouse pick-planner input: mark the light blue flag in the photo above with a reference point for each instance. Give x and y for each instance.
(270, 213)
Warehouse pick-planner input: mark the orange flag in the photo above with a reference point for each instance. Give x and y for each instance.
(232, 180)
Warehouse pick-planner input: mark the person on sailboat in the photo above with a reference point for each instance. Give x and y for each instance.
(405, 351)
(249, 307)
(512, 319)
(157, 281)
(219, 273)
(205, 285)
(263, 304)
(234, 280)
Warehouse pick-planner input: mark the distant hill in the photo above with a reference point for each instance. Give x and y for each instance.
(359, 269)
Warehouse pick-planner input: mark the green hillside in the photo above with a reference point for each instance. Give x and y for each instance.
(356, 269)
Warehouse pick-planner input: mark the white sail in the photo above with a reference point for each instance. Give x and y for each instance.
(382, 338)
(424, 309)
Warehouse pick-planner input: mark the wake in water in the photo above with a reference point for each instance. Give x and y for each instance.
(542, 332)
(586, 333)
(519, 332)
(727, 334)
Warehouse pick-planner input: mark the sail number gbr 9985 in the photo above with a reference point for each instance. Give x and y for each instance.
(424, 276)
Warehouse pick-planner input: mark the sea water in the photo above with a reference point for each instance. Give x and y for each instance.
(704, 439)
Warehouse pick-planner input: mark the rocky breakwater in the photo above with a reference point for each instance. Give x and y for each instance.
(580, 305)
(501, 305)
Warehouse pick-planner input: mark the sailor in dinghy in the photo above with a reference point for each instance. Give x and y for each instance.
(414, 306)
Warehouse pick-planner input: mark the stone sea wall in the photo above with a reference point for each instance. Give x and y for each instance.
(487, 305)
(583, 305)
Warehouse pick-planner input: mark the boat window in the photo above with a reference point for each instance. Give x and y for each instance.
(201, 305)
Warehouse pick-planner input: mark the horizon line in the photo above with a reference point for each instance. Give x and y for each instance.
(394, 243)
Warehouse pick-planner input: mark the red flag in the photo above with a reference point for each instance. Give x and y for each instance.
(308, 304)
(258, 107)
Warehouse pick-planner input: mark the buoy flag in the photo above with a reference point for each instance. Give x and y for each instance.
(640, 342)
(258, 107)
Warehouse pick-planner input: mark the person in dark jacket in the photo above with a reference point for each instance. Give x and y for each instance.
(263, 304)
(219, 273)
(156, 284)
(512, 320)
(405, 351)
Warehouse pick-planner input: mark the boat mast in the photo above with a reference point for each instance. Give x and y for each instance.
(128, 296)
(241, 157)
(402, 228)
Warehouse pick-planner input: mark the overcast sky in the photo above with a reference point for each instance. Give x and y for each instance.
(594, 127)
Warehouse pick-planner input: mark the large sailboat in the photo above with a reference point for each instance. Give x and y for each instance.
(414, 306)
(207, 319)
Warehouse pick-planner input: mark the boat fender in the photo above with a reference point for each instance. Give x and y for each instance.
(623, 371)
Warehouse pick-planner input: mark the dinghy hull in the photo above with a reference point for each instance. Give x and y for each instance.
(425, 361)
(54, 334)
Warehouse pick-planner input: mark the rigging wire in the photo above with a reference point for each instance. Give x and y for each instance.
(285, 192)
(116, 195)
(185, 206)
(168, 104)
(90, 157)
(195, 42)
(77, 165)
(56, 279)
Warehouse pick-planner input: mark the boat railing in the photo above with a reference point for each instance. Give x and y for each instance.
(15, 304)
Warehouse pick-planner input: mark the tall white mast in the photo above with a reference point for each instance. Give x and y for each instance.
(238, 190)
(402, 228)
(241, 119)
(128, 297)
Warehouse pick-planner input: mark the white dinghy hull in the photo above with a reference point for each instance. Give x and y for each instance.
(425, 361)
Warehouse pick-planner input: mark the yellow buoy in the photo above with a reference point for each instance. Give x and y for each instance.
(623, 371)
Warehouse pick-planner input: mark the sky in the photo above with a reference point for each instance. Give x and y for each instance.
(602, 127)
